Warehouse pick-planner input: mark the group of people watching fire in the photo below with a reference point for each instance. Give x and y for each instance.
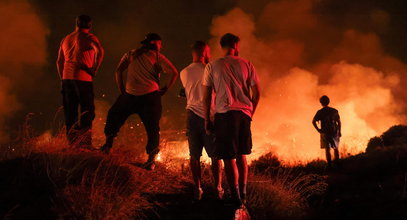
(221, 95)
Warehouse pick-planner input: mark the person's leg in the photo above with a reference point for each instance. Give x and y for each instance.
(217, 175)
(70, 103)
(195, 142)
(336, 154)
(150, 114)
(216, 163)
(232, 176)
(244, 148)
(336, 149)
(328, 156)
(87, 110)
(195, 164)
(117, 115)
(226, 141)
(243, 173)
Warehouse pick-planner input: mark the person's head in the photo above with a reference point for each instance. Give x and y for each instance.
(152, 41)
(83, 22)
(324, 100)
(201, 51)
(230, 42)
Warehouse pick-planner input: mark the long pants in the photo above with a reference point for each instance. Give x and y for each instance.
(77, 96)
(147, 106)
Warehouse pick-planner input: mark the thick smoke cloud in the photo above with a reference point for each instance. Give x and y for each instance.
(299, 56)
(301, 48)
(22, 54)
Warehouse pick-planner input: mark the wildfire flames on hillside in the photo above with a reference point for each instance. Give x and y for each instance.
(295, 67)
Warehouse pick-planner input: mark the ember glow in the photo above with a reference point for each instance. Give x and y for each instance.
(363, 94)
(298, 51)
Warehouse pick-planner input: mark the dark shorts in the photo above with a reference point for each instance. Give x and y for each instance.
(233, 135)
(197, 138)
(329, 141)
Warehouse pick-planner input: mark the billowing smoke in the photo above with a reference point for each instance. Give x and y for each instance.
(22, 53)
(300, 57)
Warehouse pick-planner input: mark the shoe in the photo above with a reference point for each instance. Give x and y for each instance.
(242, 213)
(220, 193)
(149, 165)
(106, 148)
(198, 194)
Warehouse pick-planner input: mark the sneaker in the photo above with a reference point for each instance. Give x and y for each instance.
(220, 193)
(198, 194)
(242, 213)
(105, 148)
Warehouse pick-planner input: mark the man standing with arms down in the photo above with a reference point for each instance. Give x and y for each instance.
(330, 128)
(141, 94)
(235, 83)
(79, 58)
(191, 78)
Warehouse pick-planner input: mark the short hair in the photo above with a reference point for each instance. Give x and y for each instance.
(199, 46)
(229, 40)
(324, 100)
(84, 21)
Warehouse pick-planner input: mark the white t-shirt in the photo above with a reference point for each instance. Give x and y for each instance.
(231, 78)
(142, 77)
(191, 79)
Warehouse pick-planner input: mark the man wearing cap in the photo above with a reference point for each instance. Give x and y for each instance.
(191, 78)
(141, 93)
(235, 83)
(79, 58)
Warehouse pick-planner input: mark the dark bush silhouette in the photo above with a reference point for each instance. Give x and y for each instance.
(265, 163)
(394, 136)
(374, 144)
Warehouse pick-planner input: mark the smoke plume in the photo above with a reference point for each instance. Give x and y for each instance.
(296, 66)
(22, 53)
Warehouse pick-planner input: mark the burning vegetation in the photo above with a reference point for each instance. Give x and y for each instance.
(44, 178)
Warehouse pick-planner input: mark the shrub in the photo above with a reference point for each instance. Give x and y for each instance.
(265, 163)
(394, 136)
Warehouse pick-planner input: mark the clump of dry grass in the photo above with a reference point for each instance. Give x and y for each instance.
(83, 185)
(284, 194)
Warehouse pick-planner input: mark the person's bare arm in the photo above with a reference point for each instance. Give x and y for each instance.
(123, 65)
(169, 68)
(339, 127)
(207, 101)
(255, 96)
(60, 62)
(99, 55)
(314, 122)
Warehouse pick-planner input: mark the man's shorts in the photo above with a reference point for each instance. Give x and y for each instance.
(233, 135)
(197, 138)
(329, 141)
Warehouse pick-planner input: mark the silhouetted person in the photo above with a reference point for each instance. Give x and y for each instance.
(330, 128)
(191, 78)
(141, 94)
(79, 58)
(235, 83)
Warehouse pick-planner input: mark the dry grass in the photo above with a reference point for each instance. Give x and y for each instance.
(83, 185)
(283, 195)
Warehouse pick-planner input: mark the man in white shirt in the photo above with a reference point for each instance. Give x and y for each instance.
(191, 78)
(235, 83)
(141, 94)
